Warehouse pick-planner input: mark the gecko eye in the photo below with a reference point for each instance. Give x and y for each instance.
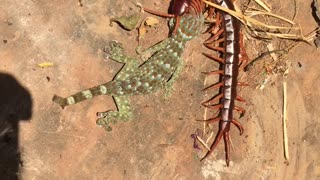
(179, 7)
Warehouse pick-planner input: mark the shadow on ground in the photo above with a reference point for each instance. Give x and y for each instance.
(15, 106)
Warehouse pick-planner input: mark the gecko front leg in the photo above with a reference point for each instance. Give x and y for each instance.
(116, 53)
(152, 49)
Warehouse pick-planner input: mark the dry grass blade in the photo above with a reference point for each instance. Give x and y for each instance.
(313, 34)
(284, 122)
(248, 21)
(203, 143)
(261, 28)
(263, 5)
(257, 13)
(287, 36)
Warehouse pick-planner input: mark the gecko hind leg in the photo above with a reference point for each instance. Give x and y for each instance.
(123, 114)
(169, 85)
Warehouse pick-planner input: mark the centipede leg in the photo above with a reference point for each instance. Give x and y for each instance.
(241, 99)
(227, 144)
(217, 23)
(242, 84)
(216, 48)
(215, 58)
(215, 28)
(243, 56)
(214, 98)
(196, 6)
(220, 72)
(238, 125)
(212, 120)
(157, 13)
(213, 86)
(217, 106)
(214, 37)
(241, 110)
(214, 144)
(176, 25)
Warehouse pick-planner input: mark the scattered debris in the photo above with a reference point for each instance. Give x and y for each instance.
(194, 137)
(261, 56)
(299, 64)
(270, 49)
(45, 64)
(80, 3)
(264, 82)
(8, 22)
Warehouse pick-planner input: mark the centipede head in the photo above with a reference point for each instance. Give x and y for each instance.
(181, 7)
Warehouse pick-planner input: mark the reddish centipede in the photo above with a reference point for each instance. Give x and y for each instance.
(229, 36)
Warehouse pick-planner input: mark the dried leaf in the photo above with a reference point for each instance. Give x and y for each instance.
(142, 31)
(151, 21)
(148, 21)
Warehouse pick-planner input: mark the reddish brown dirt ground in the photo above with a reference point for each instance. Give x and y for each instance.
(53, 143)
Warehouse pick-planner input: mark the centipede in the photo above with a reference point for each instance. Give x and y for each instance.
(229, 42)
(227, 39)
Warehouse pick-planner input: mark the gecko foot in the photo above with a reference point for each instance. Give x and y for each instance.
(114, 51)
(168, 90)
(105, 118)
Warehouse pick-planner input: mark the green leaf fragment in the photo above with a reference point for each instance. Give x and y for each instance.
(126, 22)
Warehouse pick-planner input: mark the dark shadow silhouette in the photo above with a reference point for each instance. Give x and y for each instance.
(315, 11)
(15, 106)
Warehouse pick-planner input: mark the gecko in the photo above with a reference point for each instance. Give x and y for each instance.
(159, 71)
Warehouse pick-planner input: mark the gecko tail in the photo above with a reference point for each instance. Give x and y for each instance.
(80, 96)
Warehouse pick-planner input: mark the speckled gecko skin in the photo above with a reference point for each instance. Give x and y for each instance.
(157, 72)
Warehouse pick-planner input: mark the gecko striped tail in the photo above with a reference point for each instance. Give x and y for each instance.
(80, 96)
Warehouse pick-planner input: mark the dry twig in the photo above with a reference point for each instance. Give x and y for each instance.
(284, 122)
